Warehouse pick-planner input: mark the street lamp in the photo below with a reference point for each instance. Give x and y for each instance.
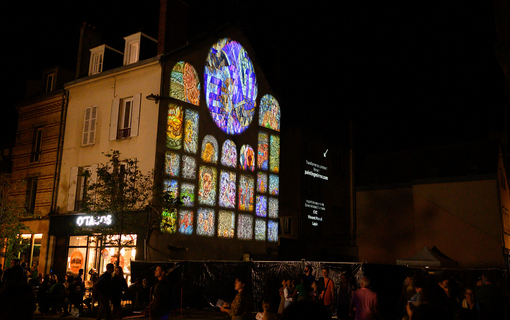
(156, 97)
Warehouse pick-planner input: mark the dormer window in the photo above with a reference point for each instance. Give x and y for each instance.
(133, 44)
(49, 82)
(96, 60)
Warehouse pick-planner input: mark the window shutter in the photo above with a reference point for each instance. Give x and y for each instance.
(71, 198)
(89, 126)
(86, 126)
(114, 119)
(135, 118)
(92, 127)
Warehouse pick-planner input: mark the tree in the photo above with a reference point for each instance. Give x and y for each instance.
(12, 212)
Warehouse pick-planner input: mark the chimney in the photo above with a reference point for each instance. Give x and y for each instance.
(89, 38)
(173, 25)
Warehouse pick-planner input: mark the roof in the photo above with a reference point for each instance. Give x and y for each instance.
(428, 257)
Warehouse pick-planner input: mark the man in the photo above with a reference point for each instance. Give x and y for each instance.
(160, 307)
(343, 295)
(328, 293)
(364, 302)
(309, 276)
(103, 289)
(16, 273)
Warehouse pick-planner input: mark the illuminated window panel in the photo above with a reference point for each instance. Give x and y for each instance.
(205, 222)
(227, 189)
(172, 164)
(274, 182)
(260, 230)
(263, 156)
(207, 186)
(261, 182)
(273, 208)
(189, 167)
(188, 194)
(261, 206)
(230, 86)
(184, 83)
(185, 221)
(226, 224)
(272, 231)
(169, 221)
(244, 227)
(246, 191)
(174, 127)
(210, 149)
(274, 155)
(247, 158)
(269, 115)
(229, 154)
(191, 131)
(172, 186)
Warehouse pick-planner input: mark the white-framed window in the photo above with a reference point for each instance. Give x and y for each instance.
(89, 126)
(79, 178)
(49, 82)
(125, 117)
(37, 145)
(96, 60)
(132, 50)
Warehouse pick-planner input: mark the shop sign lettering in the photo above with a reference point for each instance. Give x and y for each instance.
(91, 221)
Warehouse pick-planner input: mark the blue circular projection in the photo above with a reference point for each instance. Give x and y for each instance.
(230, 86)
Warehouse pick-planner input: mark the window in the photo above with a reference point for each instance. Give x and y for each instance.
(89, 126)
(50, 82)
(78, 179)
(125, 113)
(125, 117)
(96, 60)
(132, 49)
(37, 145)
(31, 194)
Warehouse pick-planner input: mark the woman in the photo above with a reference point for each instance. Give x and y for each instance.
(240, 308)
(282, 296)
(289, 293)
(119, 284)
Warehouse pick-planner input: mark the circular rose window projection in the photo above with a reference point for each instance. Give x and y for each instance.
(230, 86)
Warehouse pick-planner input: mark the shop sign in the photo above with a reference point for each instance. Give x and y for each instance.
(76, 261)
(92, 221)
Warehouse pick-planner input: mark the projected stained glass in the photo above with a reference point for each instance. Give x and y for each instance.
(210, 149)
(274, 155)
(188, 194)
(272, 231)
(172, 161)
(263, 157)
(229, 154)
(247, 158)
(246, 191)
(169, 221)
(185, 221)
(207, 186)
(269, 115)
(174, 127)
(261, 206)
(261, 182)
(260, 230)
(226, 224)
(227, 189)
(190, 131)
(244, 227)
(230, 86)
(273, 208)
(274, 182)
(189, 167)
(172, 186)
(205, 222)
(184, 83)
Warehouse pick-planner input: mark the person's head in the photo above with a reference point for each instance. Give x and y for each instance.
(469, 294)
(240, 284)
(308, 270)
(15, 262)
(266, 305)
(80, 272)
(159, 272)
(284, 282)
(110, 267)
(119, 272)
(302, 278)
(70, 279)
(365, 282)
(325, 272)
(343, 278)
(314, 285)
(24, 265)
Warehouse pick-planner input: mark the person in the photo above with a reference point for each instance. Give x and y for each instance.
(119, 285)
(75, 294)
(16, 273)
(343, 297)
(288, 293)
(328, 293)
(315, 294)
(17, 301)
(491, 298)
(80, 275)
(161, 308)
(364, 302)
(302, 289)
(309, 276)
(57, 297)
(282, 296)
(469, 301)
(266, 313)
(103, 290)
(240, 308)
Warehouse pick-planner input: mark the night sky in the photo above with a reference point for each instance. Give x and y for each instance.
(410, 75)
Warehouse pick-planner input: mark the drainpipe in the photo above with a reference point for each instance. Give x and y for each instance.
(58, 160)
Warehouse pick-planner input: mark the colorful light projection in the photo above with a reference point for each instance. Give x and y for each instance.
(205, 222)
(260, 230)
(269, 113)
(244, 227)
(169, 221)
(191, 131)
(246, 193)
(189, 167)
(274, 182)
(261, 206)
(262, 156)
(274, 156)
(184, 83)
(227, 189)
(188, 194)
(172, 187)
(174, 127)
(272, 231)
(229, 154)
(185, 221)
(273, 208)
(247, 158)
(226, 224)
(210, 149)
(172, 161)
(261, 182)
(230, 86)
(207, 186)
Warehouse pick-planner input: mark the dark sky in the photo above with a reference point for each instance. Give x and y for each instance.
(410, 75)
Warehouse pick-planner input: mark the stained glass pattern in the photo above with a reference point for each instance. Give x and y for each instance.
(207, 186)
(172, 186)
(230, 86)
(269, 115)
(274, 182)
(244, 227)
(205, 222)
(189, 167)
(246, 190)
(274, 156)
(229, 154)
(273, 208)
(272, 231)
(210, 149)
(261, 182)
(184, 83)
(169, 221)
(263, 157)
(186, 221)
(247, 158)
(172, 161)
(260, 230)
(226, 224)
(188, 194)
(261, 206)
(174, 127)
(191, 131)
(227, 189)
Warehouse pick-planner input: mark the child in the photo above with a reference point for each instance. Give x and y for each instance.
(266, 314)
